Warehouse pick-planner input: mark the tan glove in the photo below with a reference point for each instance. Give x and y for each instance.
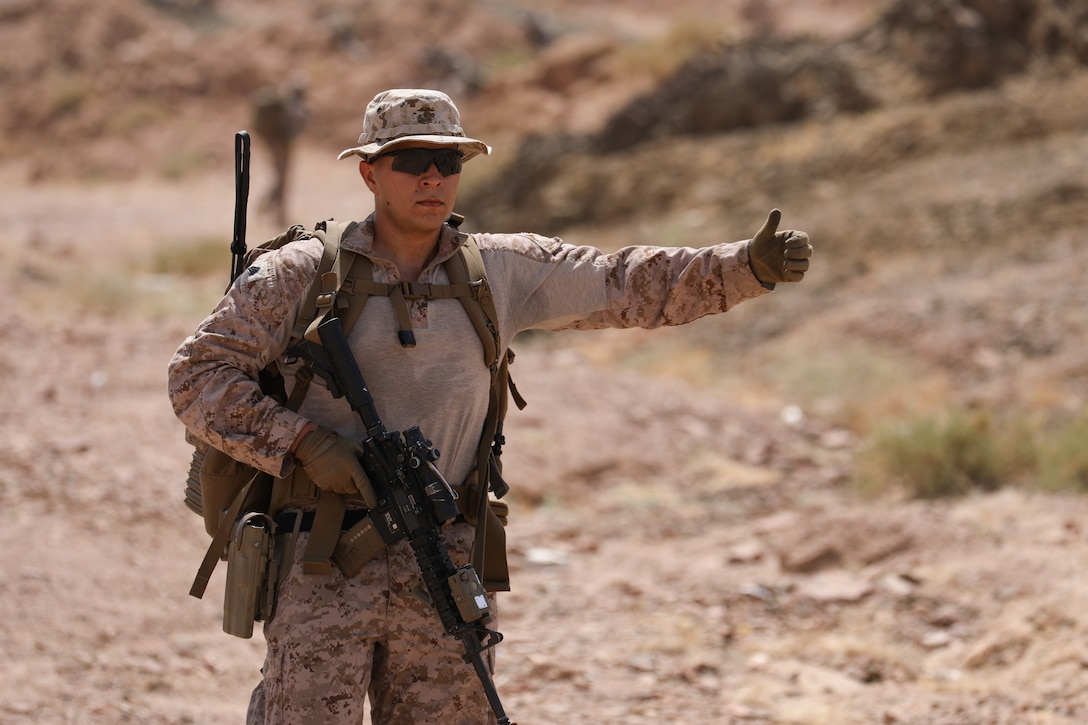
(778, 256)
(332, 463)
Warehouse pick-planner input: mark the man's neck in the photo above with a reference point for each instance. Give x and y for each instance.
(409, 251)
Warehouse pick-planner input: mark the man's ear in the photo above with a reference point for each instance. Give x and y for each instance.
(366, 170)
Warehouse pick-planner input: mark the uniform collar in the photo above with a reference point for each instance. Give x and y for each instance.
(361, 240)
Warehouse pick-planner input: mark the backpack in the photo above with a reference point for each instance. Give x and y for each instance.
(221, 489)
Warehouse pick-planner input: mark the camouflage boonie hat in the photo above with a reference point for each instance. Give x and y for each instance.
(404, 116)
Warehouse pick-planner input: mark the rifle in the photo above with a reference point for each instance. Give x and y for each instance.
(241, 201)
(414, 500)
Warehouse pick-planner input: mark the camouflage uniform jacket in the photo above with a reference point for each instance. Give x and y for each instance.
(441, 384)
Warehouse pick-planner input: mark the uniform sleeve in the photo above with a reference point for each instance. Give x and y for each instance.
(212, 378)
(577, 287)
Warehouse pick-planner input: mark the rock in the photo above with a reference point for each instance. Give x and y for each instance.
(746, 552)
(1000, 648)
(936, 639)
(835, 586)
(811, 556)
(835, 540)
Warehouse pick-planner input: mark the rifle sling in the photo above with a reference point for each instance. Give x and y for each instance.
(324, 534)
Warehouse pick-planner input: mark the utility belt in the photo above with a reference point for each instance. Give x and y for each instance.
(350, 540)
(261, 549)
(288, 521)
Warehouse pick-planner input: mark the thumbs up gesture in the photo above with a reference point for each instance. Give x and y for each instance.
(776, 256)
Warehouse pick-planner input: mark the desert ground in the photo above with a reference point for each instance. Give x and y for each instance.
(686, 538)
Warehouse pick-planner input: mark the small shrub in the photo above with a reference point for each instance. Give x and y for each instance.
(200, 258)
(69, 93)
(1063, 457)
(183, 163)
(106, 294)
(662, 56)
(947, 455)
(133, 117)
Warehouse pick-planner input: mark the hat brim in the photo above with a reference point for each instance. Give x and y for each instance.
(470, 147)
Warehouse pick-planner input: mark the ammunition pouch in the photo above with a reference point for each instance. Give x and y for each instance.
(297, 490)
(495, 571)
(489, 550)
(356, 547)
(215, 480)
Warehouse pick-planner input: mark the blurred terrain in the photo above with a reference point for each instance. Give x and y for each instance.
(685, 538)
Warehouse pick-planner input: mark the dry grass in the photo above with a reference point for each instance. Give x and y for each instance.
(660, 56)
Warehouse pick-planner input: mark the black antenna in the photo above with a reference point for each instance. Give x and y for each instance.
(241, 201)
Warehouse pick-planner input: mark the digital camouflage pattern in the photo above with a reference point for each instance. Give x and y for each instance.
(331, 636)
(406, 116)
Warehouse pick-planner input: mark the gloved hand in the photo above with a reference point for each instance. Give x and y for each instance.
(778, 256)
(332, 463)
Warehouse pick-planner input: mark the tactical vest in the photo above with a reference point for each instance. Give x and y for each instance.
(221, 489)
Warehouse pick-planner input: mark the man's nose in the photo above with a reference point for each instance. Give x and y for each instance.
(431, 175)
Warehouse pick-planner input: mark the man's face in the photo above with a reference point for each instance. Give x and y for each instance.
(415, 187)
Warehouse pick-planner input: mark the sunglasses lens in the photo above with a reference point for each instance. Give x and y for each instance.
(449, 163)
(417, 161)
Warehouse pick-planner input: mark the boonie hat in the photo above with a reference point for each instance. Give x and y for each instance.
(403, 116)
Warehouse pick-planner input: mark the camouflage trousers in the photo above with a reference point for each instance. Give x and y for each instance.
(333, 641)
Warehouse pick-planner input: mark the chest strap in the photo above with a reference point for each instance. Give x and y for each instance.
(472, 294)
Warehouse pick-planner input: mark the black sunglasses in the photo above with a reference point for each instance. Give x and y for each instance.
(417, 161)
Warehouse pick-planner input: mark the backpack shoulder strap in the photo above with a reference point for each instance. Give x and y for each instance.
(467, 268)
(358, 285)
(321, 295)
(480, 307)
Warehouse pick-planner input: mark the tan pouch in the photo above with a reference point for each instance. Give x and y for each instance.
(356, 547)
(496, 571)
(501, 511)
(293, 491)
(221, 479)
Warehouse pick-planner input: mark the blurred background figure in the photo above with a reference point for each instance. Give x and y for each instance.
(279, 117)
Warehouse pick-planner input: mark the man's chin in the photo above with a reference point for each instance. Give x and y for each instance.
(436, 215)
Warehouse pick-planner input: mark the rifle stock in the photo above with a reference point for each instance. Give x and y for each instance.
(414, 500)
